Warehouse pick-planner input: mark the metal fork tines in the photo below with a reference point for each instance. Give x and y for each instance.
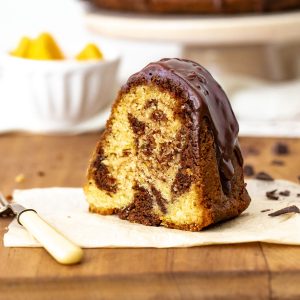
(5, 209)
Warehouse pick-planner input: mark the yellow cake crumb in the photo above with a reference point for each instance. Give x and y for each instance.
(20, 178)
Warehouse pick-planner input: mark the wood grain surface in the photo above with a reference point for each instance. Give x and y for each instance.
(241, 271)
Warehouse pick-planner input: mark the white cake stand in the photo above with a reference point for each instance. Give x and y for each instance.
(258, 46)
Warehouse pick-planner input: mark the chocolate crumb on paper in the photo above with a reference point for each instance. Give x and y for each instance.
(271, 195)
(249, 170)
(264, 176)
(285, 193)
(281, 149)
(277, 162)
(265, 210)
(286, 210)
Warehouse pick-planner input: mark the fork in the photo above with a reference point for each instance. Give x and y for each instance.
(62, 249)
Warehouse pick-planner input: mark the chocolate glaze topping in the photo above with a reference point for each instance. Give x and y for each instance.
(205, 99)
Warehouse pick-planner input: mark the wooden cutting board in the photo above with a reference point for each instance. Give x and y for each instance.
(241, 271)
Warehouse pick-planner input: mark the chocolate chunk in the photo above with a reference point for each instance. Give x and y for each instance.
(281, 149)
(285, 193)
(271, 195)
(249, 170)
(298, 195)
(264, 210)
(264, 176)
(277, 162)
(286, 210)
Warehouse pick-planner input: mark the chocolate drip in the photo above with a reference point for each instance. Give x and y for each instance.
(204, 98)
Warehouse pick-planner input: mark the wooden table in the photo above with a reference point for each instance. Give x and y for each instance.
(256, 270)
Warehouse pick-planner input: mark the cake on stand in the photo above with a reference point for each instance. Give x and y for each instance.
(261, 46)
(256, 58)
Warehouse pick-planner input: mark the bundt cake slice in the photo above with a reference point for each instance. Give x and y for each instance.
(169, 154)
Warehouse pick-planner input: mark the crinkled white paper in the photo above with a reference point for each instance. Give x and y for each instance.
(67, 210)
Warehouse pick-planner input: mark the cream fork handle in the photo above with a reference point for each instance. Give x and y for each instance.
(63, 250)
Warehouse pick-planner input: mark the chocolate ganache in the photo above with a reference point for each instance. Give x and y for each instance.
(204, 97)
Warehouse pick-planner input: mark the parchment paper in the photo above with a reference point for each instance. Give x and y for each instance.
(67, 210)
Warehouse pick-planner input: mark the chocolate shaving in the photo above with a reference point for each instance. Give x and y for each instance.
(281, 149)
(264, 176)
(277, 162)
(286, 210)
(271, 195)
(265, 210)
(249, 170)
(285, 193)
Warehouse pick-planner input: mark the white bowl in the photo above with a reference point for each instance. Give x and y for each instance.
(56, 95)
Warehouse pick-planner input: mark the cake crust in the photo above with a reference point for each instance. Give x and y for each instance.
(204, 151)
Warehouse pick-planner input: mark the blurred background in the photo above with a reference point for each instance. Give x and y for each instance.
(255, 57)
